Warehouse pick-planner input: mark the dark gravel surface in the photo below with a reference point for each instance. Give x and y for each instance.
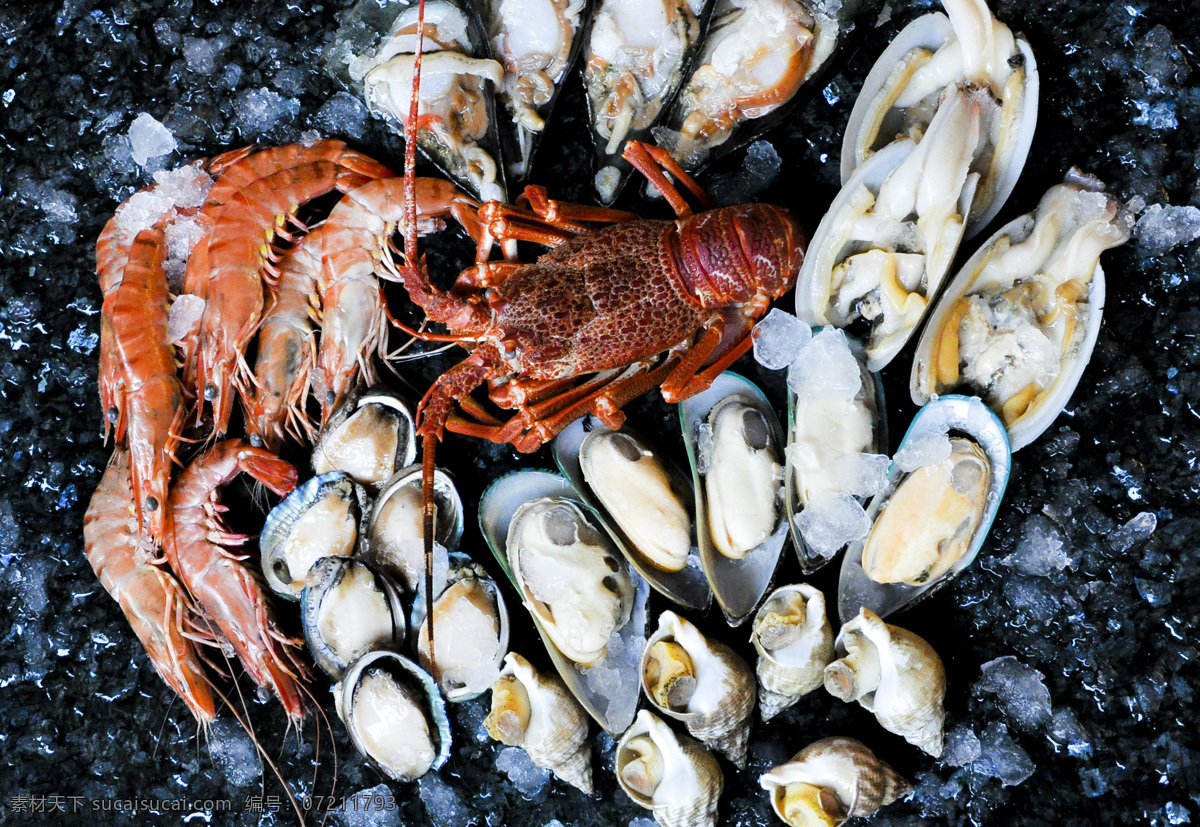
(1093, 723)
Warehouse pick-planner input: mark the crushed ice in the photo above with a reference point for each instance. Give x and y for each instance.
(148, 139)
(1019, 689)
(526, 776)
(825, 368)
(779, 338)
(830, 521)
(1040, 550)
(927, 449)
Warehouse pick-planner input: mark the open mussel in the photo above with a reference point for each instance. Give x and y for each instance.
(369, 436)
(394, 714)
(322, 518)
(734, 444)
(643, 499)
(1018, 323)
(944, 489)
(671, 775)
(394, 539)
(794, 643)
(347, 608)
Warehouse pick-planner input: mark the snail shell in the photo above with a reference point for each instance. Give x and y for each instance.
(671, 775)
(794, 643)
(831, 780)
(538, 713)
(701, 682)
(893, 673)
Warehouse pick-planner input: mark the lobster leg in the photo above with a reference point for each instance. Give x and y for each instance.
(652, 161)
(566, 215)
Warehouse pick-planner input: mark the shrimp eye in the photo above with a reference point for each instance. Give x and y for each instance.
(210, 392)
(330, 397)
(256, 440)
(112, 414)
(151, 504)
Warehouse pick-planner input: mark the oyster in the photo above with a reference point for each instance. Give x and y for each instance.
(470, 631)
(701, 682)
(347, 609)
(319, 519)
(369, 436)
(634, 60)
(671, 775)
(537, 713)
(732, 437)
(830, 781)
(394, 715)
(1018, 323)
(893, 673)
(394, 538)
(931, 55)
(794, 644)
(943, 491)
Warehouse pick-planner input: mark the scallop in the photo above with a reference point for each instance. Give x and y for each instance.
(394, 715)
(348, 609)
(794, 643)
(671, 775)
(368, 437)
(321, 518)
(394, 538)
(1018, 323)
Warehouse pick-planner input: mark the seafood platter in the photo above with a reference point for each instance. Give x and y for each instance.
(754, 449)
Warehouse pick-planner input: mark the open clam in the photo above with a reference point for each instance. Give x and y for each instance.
(393, 540)
(794, 643)
(970, 48)
(643, 500)
(944, 489)
(671, 775)
(394, 714)
(347, 609)
(588, 606)
(369, 436)
(322, 518)
(1018, 323)
(735, 449)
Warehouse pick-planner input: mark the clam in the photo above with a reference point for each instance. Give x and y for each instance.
(394, 715)
(830, 781)
(470, 631)
(374, 54)
(536, 712)
(894, 674)
(944, 488)
(575, 585)
(702, 683)
(794, 644)
(369, 436)
(348, 609)
(643, 499)
(932, 54)
(734, 440)
(394, 539)
(1018, 323)
(321, 518)
(671, 775)
(635, 57)
(882, 250)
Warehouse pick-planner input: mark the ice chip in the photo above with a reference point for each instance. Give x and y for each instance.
(260, 110)
(149, 139)
(444, 805)
(1002, 757)
(1019, 690)
(186, 186)
(1137, 530)
(861, 475)
(830, 521)
(373, 807)
(929, 449)
(825, 369)
(186, 311)
(704, 447)
(778, 338)
(182, 233)
(961, 747)
(1161, 228)
(1040, 549)
(527, 777)
(233, 752)
(1065, 731)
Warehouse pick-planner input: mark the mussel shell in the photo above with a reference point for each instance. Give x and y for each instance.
(390, 410)
(497, 507)
(738, 585)
(688, 586)
(325, 576)
(873, 395)
(967, 416)
(284, 518)
(403, 670)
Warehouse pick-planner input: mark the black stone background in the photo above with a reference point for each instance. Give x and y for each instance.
(1114, 635)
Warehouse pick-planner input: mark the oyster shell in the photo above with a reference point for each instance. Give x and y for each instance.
(536, 712)
(321, 518)
(939, 424)
(347, 609)
(893, 673)
(671, 775)
(1018, 323)
(702, 683)
(394, 539)
(932, 54)
(794, 643)
(394, 715)
(831, 780)
(739, 584)
(369, 436)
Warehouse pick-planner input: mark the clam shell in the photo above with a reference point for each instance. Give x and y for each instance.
(358, 438)
(418, 686)
(368, 602)
(718, 712)
(692, 781)
(738, 585)
(1036, 240)
(966, 416)
(592, 686)
(686, 587)
(791, 659)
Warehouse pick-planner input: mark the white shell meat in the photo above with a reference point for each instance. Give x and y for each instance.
(794, 643)
(671, 775)
(1018, 323)
(348, 609)
(369, 437)
(394, 538)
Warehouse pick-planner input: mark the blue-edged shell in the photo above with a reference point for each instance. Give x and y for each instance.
(347, 608)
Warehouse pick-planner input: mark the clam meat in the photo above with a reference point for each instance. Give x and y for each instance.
(830, 781)
(671, 775)
(348, 609)
(743, 482)
(369, 436)
(1018, 323)
(395, 526)
(794, 643)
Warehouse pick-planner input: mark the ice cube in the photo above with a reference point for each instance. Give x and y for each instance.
(928, 449)
(1161, 228)
(527, 777)
(149, 139)
(961, 748)
(444, 805)
(778, 338)
(373, 807)
(861, 475)
(203, 54)
(233, 752)
(1040, 549)
(1066, 731)
(1137, 530)
(260, 110)
(825, 369)
(1002, 757)
(1019, 691)
(343, 114)
(830, 521)
(1177, 813)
